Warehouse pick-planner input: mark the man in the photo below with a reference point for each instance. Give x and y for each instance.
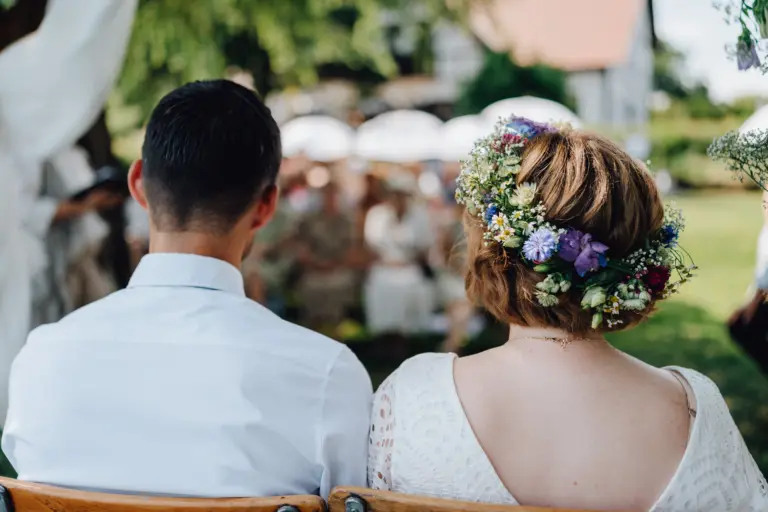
(180, 385)
(326, 254)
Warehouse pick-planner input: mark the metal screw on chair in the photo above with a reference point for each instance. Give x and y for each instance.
(354, 504)
(287, 508)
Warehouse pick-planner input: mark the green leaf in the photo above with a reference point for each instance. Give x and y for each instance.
(542, 268)
(605, 277)
(597, 319)
(620, 266)
(513, 242)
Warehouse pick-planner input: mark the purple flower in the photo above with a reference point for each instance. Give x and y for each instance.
(540, 245)
(746, 53)
(578, 248)
(526, 128)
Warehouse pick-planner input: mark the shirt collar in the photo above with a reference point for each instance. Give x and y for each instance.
(187, 270)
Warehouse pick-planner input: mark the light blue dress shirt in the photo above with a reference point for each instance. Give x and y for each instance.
(180, 385)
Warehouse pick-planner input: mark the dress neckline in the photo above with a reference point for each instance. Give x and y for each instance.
(692, 431)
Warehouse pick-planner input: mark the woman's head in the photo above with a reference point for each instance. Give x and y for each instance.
(602, 208)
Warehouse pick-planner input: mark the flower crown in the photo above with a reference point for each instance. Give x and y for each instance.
(569, 258)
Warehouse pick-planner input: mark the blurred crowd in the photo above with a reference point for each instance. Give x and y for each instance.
(351, 251)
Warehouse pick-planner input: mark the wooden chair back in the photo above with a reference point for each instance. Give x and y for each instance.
(354, 499)
(21, 496)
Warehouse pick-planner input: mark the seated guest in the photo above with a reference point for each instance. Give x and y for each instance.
(567, 240)
(325, 247)
(180, 385)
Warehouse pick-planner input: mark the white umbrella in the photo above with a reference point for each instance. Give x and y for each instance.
(400, 136)
(319, 138)
(459, 135)
(757, 121)
(535, 109)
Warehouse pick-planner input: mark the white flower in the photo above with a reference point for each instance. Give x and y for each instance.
(505, 234)
(634, 304)
(524, 194)
(530, 227)
(547, 300)
(499, 221)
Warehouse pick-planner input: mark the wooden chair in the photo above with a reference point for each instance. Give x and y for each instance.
(21, 496)
(355, 499)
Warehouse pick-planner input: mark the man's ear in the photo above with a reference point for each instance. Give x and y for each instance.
(136, 183)
(265, 208)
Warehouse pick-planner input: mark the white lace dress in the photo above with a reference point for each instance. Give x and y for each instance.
(421, 443)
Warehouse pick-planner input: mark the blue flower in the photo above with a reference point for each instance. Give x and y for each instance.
(540, 245)
(490, 213)
(669, 235)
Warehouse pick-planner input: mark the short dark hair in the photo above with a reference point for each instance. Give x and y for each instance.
(211, 149)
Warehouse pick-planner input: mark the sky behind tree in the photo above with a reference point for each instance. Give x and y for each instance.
(699, 30)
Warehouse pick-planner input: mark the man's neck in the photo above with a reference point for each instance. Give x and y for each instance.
(224, 248)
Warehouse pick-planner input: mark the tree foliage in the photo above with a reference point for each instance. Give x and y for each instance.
(282, 43)
(501, 78)
(667, 63)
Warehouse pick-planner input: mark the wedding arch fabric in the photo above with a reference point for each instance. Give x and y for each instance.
(400, 136)
(319, 138)
(53, 84)
(536, 109)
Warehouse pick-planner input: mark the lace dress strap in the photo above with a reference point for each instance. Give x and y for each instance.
(690, 397)
(717, 473)
(381, 440)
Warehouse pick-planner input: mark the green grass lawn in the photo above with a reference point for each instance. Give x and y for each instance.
(721, 235)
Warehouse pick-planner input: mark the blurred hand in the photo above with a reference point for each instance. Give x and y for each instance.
(100, 200)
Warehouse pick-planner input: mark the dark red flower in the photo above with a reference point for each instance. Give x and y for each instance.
(656, 279)
(510, 138)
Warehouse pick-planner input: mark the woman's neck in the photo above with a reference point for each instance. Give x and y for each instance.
(543, 341)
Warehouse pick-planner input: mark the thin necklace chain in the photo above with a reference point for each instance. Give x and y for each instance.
(563, 341)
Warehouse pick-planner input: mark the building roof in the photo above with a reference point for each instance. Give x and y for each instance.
(573, 35)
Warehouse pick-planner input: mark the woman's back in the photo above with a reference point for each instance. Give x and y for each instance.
(463, 429)
(587, 427)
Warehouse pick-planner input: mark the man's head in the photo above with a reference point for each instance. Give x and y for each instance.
(209, 162)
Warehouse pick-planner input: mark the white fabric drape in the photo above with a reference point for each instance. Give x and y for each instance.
(53, 84)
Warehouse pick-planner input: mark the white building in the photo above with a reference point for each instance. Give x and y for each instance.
(606, 46)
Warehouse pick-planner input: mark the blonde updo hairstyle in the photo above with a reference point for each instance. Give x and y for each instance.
(585, 182)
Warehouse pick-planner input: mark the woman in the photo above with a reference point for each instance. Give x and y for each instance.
(567, 240)
(398, 290)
